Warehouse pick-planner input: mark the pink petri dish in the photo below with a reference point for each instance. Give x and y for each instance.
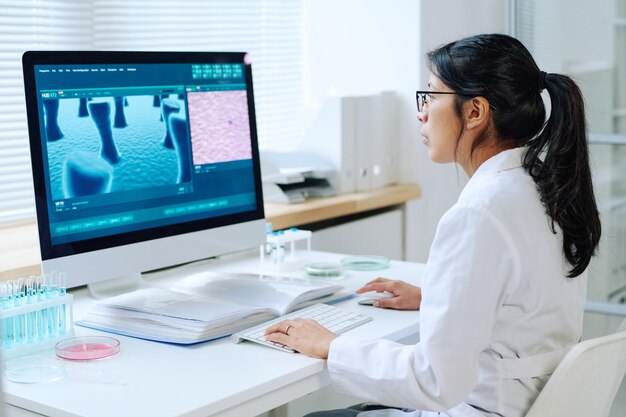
(87, 348)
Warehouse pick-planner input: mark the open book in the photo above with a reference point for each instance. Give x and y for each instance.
(207, 306)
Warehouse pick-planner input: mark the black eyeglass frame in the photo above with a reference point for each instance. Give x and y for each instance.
(422, 103)
(422, 94)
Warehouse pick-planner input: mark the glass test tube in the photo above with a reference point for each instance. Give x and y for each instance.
(52, 313)
(41, 313)
(31, 317)
(8, 335)
(19, 291)
(62, 308)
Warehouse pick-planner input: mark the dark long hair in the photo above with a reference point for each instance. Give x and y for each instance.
(500, 69)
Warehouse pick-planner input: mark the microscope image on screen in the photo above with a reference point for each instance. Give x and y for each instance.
(220, 126)
(116, 144)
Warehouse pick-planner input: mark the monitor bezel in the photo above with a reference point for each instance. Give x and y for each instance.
(32, 58)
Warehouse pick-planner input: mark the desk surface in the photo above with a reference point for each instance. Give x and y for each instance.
(216, 378)
(20, 248)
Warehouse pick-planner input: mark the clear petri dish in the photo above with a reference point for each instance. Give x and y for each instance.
(324, 270)
(365, 263)
(33, 370)
(87, 348)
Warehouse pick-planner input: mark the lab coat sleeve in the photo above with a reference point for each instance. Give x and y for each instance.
(472, 265)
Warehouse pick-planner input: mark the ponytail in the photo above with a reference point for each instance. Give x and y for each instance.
(499, 68)
(558, 162)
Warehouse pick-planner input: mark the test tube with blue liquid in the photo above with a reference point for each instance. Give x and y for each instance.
(19, 292)
(52, 313)
(62, 307)
(8, 332)
(41, 313)
(31, 317)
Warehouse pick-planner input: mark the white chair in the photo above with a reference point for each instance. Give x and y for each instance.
(587, 379)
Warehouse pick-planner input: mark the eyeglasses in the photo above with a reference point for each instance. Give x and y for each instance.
(423, 98)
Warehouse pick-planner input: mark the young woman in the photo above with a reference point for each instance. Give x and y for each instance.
(505, 283)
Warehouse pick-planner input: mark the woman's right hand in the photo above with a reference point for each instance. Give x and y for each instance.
(406, 296)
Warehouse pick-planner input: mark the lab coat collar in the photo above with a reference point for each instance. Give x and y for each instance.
(503, 161)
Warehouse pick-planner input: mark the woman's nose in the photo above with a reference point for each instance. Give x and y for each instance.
(422, 116)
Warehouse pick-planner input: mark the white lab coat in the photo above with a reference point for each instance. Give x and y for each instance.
(497, 315)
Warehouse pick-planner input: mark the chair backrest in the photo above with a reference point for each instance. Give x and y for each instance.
(587, 379)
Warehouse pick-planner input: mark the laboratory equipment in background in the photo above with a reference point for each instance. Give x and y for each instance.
(365, 262)
(324, 270)
(284, 251)
(35, 313)
(291, 177)
(359, 136)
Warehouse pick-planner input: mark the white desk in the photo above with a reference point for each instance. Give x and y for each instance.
(216, 378)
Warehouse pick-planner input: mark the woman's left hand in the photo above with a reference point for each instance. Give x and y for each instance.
(302, 335)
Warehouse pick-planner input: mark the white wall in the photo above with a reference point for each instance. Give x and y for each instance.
(358, 46)
(364, 46)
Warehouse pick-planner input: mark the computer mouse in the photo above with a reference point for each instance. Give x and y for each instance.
(369, 298)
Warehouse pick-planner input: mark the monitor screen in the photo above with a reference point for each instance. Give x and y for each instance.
(135, 147)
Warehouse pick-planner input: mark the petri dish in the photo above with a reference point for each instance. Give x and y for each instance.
(365, 262)
(87, 348)
(33, 370)
(324, 270)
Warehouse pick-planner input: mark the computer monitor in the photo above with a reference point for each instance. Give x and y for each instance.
(141, 160)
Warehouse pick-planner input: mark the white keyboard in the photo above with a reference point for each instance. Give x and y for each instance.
(334, 319)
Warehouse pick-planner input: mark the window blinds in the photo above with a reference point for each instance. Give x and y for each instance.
(270, 30)
(538, 26)
(25, 25)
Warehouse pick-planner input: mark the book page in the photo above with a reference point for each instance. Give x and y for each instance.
(163, 302)
(261, 291)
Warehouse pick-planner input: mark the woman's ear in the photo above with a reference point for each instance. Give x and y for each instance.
(477, 113)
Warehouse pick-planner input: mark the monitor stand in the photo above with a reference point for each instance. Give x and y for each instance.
(115, 286)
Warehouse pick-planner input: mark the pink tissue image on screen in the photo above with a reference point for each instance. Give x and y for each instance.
(219, 124)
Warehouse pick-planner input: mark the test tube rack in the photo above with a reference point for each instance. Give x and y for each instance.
(280, 247)
(36, 326)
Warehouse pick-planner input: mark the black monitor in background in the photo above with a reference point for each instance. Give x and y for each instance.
(141, 160)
